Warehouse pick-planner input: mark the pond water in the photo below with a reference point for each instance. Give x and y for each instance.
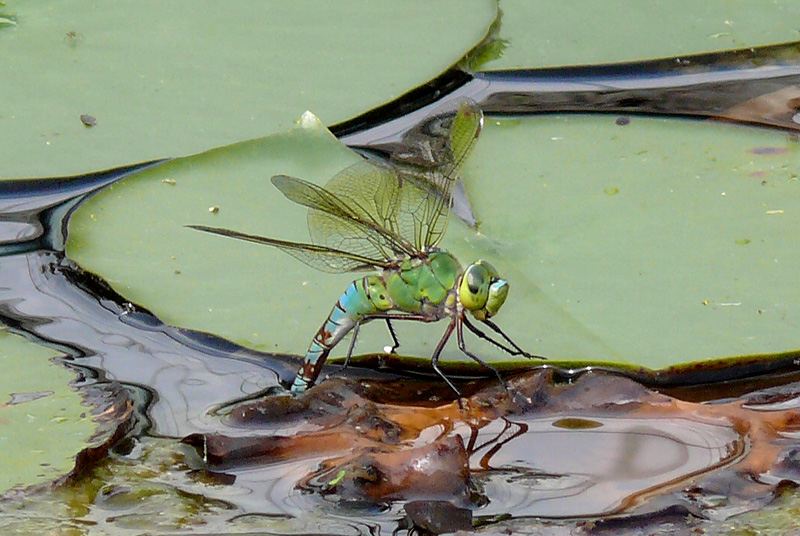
(216, 445)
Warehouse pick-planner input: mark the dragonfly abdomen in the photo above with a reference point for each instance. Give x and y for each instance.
(362, 298)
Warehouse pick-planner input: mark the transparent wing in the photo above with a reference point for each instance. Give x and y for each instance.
(317, 256)
(379, 212)
(428, 168)
(354, 212)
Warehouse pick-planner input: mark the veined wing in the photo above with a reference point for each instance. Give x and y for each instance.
(354, 212)
(407, 204)
(429, 169)
(317, 256)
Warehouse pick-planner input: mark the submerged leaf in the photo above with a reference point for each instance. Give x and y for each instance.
(509, 451)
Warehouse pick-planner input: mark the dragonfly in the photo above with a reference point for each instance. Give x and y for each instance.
(390, 217)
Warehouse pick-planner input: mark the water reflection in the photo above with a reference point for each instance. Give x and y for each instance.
(546, 471)
(188, 376)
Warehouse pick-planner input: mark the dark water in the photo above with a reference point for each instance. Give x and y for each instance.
(758, 86)
(561, 452)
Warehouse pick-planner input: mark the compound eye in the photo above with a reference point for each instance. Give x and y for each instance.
(474, 289)
(476, 279)
(498, 292)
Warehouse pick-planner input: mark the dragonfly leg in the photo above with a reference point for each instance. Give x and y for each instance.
(356, 329)
(395, 342)
(463, 347)
(437, 352)
(514, 350)
(403, 316)
(386, 316)
(474, 329)
(439, 347)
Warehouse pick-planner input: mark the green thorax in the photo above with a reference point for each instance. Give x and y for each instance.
(422, 282)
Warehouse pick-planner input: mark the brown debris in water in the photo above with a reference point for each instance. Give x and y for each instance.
(414, 450)
(436, 470)
(435, 517)
(113, 415)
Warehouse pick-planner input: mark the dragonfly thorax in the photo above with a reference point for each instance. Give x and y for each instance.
(422, 285)
(482, 292)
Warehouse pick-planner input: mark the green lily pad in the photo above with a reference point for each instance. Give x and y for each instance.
(667, 241)
(36, 405)
(572, 32)
(188, 278)
(655, 243)
(89, 86)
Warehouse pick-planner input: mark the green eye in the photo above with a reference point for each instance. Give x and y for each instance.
(474, 288)
(498, 292)
(482, 292)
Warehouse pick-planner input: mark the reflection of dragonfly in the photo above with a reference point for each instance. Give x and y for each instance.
(391, 218)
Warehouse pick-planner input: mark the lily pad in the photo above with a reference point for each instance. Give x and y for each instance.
(652, 243)
(90, 86)
(188, 278)
(544, 34)
(36, 405)
(666, 241)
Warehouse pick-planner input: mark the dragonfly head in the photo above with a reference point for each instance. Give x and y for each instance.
(481, 290)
